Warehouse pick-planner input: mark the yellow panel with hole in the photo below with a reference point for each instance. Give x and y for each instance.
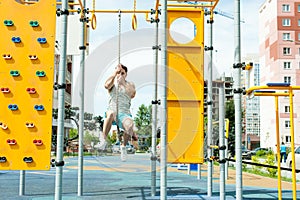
(26, 82)
(185, 93)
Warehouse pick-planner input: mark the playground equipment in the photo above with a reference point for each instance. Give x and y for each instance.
(26, 79)
(181, 100)
(270, 90)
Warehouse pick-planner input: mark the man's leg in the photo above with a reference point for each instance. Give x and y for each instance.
(110, 116)
(128, 127)
(106, 128)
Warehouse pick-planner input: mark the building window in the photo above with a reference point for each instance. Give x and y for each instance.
(288, 139)
(286, 51)
(287, 79)
(287, 124)
(287, 109)
(286, 36)
(299, 8)
(286, 8)
(286, 65)
(286, 22)
(298, 22)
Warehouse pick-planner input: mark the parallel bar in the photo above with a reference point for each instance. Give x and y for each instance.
(278, 148)
(265, 87)
(294, 180)
(122, 11)
(271, 94)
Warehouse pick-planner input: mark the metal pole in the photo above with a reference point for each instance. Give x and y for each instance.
(237, 100)
(199, 171)
(209, 113)
(61, 102)
(22, 183)
(294, 180)
(163, 137)
(226, 150)
(154, 114)
(278, 148)
(221, 140)
(81, 106)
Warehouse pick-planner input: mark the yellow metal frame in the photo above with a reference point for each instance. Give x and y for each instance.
(276, 95)
(185, 91)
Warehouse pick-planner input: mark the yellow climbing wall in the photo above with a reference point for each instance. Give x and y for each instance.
(26, 82)
(185, 94)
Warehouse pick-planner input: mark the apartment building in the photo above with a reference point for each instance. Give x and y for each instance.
(228, 83)
(279, 57)
(251, 106)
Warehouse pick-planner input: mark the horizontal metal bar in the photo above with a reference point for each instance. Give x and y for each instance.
(122, 11)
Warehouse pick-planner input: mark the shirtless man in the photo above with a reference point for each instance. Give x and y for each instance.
(116, 84)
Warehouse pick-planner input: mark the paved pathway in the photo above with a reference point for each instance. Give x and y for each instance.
(107, 178)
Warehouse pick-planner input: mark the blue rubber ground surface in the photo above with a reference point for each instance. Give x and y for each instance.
(107, 178)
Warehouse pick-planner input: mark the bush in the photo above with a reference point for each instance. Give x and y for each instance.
(271, 161)
(261, 153)
(256, 169)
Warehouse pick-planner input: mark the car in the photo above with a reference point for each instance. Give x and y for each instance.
(254, 151)
(246, 153)
(129, 148)
(297, 158)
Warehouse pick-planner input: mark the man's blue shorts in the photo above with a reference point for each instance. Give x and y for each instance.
(121, 117)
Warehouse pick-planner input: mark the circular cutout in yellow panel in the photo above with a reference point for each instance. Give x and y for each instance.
(183, 30)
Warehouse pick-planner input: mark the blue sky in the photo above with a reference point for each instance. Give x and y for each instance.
(139, 59)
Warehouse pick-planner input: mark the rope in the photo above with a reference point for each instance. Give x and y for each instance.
(94, 5)
(119, 47)
(117, 89)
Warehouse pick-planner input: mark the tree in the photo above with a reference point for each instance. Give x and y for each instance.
(143, 120)
(100, 121)
(89, 138)
(230, 114)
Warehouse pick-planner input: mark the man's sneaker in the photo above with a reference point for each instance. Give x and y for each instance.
(123, 153)
(103, 142)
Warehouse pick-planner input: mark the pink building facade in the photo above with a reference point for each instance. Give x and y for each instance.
(279, 58)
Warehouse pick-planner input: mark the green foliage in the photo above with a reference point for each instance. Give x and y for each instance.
(143, 120)
(230, 115)
(261, 153)
(73, 133)
(88, 138)
(256, 169)
(271, 161)
(111, 138)
(244, 167)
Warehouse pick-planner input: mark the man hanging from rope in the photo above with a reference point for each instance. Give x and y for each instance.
(120, 94)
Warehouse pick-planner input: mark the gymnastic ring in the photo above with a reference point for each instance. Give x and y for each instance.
(94, 21)
(134, 22)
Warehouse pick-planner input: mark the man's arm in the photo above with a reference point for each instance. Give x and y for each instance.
(132, 90)
(109, 83)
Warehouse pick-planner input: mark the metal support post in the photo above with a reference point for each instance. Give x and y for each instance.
(22, 183)
(221, 141)
(163, 137)
(237, 100)
(154, 112)
(61, 102)
(81, 105)
(209, 114)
